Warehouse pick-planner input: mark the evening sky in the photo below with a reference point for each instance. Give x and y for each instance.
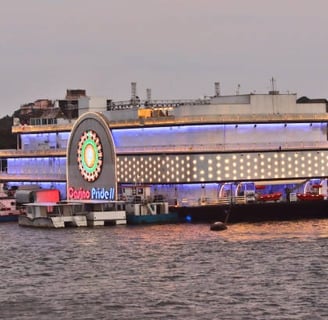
(178, 48)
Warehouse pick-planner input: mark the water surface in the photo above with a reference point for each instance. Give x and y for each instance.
(272, 270)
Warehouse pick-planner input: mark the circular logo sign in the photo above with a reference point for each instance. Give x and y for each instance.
(89, 155)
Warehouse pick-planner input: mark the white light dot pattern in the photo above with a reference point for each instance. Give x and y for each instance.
(212, 167)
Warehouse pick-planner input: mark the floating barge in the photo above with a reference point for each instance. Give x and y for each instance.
(254, 212)
(205, 150)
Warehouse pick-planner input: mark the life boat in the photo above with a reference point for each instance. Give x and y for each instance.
(270, 196)
(259, 186)
(309, 196)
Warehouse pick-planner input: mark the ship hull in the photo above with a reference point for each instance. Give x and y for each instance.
(166, 218)
(9, 218)
(254, 212)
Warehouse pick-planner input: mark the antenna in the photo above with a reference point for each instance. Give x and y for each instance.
(238, 89)
(273, 86)
(217, 89)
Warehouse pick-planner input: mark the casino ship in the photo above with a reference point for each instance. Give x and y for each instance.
(246, 157)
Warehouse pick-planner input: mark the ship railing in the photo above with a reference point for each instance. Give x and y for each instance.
(33, 153)
(5, 176)
(227, 119)
(246, 147)
(130, 104)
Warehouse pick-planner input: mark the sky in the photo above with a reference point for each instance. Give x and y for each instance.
(178, 48)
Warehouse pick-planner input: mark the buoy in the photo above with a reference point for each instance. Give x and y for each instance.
(218, 226)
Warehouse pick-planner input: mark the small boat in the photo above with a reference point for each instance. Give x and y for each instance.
(143, 208)
(105, 213)
(149, 213)
(8, 210)
(53, 215)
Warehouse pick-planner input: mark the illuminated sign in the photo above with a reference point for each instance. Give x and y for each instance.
(90, 155)
(93, 194)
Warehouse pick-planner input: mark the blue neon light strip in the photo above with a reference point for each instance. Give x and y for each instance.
(121, 136)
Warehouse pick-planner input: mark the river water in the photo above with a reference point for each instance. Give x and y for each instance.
(276, 270)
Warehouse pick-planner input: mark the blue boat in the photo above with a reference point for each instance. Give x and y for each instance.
(143, 208)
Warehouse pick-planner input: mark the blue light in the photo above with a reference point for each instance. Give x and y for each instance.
(184, 134)
(188, 218)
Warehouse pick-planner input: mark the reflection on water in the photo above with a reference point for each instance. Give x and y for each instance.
(272, 270)
(303, 230)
